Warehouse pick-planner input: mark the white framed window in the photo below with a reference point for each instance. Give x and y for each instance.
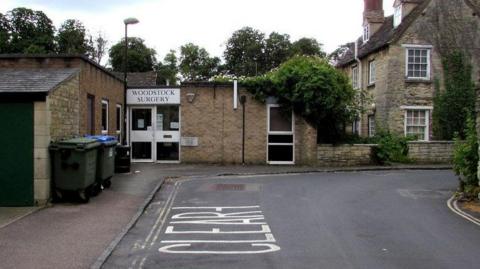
(371, 125)
(372, 72)
(355, 82)
(104, 116)
(397, 16)
(418, 63)
(356, 125)
(280, 136)
(366, 32)
(417, 123)
(118, 118)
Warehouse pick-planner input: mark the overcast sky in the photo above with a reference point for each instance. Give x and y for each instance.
(168, 24)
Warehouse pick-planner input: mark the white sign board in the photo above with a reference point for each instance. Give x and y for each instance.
(153, 96)
(189, 141)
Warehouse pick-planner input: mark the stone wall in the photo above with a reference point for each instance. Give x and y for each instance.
(63, 105)
(41, 158)
(211, 118)
(435, 152)
(431, 152)
(93, 80)
(344, 155)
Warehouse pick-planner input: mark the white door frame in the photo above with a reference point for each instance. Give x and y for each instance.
(292, 133)
(175, 135)
(149, 137)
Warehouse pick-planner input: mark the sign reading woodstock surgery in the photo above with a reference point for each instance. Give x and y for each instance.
(153, 96)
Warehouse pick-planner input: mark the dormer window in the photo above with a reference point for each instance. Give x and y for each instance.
(397, 16)
(366, 32)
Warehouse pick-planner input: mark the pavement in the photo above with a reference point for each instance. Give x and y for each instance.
(77, 235)
(364, 219)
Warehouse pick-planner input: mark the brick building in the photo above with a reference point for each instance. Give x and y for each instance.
(44, 99)
(397, 61)
(214, 123)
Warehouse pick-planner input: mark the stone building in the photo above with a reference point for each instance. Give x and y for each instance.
(397, 61)
(43, 99)
(206, 122)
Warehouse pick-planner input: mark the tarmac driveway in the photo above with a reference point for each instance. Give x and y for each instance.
(385, 219)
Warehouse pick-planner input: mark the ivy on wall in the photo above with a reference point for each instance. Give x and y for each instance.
(452, 106)
(314, 90)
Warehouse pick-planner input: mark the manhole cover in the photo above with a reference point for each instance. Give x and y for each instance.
(229, 187)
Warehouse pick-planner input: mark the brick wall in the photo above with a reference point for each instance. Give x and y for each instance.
(211, 118)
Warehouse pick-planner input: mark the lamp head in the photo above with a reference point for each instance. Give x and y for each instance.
(130, 21)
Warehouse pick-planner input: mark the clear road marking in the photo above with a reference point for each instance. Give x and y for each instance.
(265, 229)
(268, 239)
(168, 249)
(217, 208)
(215, 215)
(453, 205)
(181, 225)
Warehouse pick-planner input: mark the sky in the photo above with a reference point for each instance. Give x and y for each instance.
(168, 24)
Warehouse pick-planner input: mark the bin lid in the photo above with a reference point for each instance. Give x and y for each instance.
(78, 143)
(104, 139)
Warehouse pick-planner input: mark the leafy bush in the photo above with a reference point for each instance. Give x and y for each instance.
(313, 89)
(465, 155)
(392, 148)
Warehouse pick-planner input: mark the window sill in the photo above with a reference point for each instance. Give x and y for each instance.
(371, 85)
(418, 80)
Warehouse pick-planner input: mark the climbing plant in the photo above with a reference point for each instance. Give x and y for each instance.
(314, 90)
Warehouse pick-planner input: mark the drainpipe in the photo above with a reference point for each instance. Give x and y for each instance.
(243, 100)
(360, 83)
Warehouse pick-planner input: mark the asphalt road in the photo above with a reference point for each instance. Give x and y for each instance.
(388, 219)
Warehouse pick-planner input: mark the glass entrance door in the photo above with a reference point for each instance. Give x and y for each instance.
(167, 133)
(281, 141)
(141, 134)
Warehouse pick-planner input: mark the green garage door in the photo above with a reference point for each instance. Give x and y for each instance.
(16, 154)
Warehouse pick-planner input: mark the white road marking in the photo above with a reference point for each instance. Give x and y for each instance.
(265, 229)
(268, 239)
(452, 204)
(215, 215)
(167, 249)
(217, 208)
(239, 221)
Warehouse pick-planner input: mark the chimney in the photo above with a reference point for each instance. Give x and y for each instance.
(373, 14)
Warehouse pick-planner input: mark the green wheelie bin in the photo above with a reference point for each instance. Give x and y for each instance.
(105, 160)
(74, 166)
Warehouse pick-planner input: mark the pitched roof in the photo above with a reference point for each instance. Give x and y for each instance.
(137, 79)
(384, 36)
(33, 80)
(62, 56)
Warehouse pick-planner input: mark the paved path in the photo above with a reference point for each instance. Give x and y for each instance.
(385, 219)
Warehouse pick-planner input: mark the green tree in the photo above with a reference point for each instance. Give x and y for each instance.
(99, 47)
(4, 34)
(167, 70)
(196, 63)
(140, 58)
(313, 89)
(277, 50)
(72, 38)
(31, 31)
(245, 52)
(465, 155)
(452, 106)
(308, 46)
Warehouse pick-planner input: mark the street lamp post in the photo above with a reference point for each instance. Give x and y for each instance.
(125, 67)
